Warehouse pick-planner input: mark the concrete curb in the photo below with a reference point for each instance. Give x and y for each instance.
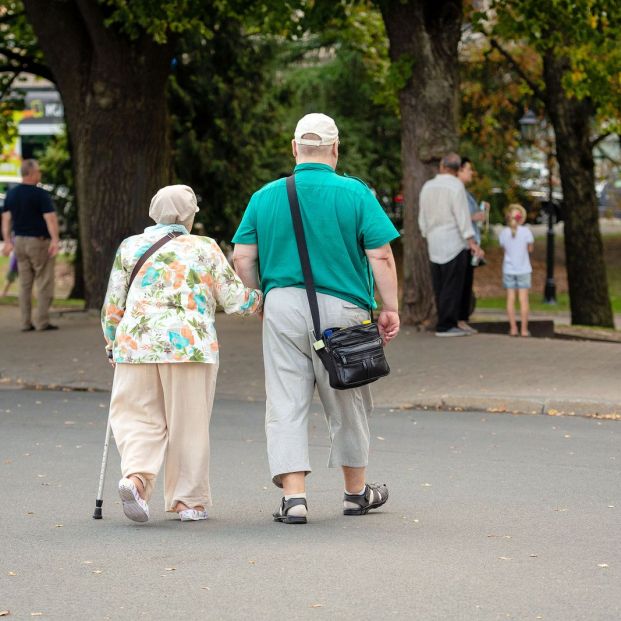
(494, 404)
(603, 410)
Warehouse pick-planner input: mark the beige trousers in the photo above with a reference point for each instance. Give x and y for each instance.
(35, 267)
(162, 411)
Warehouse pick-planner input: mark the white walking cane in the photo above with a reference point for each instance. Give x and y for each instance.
(102, 475)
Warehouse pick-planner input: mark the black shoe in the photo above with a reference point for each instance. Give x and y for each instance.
(374, 496)
(48, 327)
(285, 505)
(30, 328)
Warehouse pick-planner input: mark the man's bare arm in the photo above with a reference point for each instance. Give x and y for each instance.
(245, 261)
(51, 220)
(385, 273)
(6, 233)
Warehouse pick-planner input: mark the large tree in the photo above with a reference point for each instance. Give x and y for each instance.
(113, 87)
(423, 35)
(578, 43)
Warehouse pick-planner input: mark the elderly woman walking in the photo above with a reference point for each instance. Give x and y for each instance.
(158, 320)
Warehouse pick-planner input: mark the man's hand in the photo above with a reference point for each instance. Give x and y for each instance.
(7, 248)
(388, 324)
(475, 249)
(52, 251)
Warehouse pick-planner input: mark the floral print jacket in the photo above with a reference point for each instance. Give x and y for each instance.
(168, 314)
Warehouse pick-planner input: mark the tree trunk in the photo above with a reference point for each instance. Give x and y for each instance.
(586, 270)
(425, 34)
(114, 94)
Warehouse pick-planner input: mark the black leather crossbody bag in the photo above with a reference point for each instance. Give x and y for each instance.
(353, 356)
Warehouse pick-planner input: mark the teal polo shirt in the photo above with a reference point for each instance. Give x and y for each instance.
(341, 219)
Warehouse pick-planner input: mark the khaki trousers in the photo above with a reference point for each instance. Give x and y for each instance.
(292, 370)
(36, 267)
(162, 411)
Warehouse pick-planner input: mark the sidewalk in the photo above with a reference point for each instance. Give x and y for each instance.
(483, 372)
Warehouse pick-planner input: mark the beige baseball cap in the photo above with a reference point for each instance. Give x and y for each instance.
(316, 123)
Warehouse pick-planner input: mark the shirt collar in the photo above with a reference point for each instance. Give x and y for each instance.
(168, 228)
(313, 166)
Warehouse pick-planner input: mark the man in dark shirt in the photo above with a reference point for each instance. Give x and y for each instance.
(29, 212)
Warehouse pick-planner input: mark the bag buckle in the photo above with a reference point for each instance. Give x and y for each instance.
(319, 345)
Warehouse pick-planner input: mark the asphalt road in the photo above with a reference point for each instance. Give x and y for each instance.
(491, 516)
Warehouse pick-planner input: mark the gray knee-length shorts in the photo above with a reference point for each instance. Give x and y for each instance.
(292, 370)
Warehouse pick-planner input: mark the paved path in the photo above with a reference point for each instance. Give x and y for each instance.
(481, 372)
(491, 517)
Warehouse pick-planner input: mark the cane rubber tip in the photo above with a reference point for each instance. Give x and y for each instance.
(97, 515)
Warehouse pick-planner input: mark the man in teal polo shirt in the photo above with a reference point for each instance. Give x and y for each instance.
(348, 237)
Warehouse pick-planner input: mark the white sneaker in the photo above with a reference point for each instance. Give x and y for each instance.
(454, 332)
(134, 507)
(192, 515)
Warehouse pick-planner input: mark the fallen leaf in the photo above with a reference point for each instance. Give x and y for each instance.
(206, 588)
(380, 438)
(12, 573)
(316, 605)
(603, 565)
(58, 525)
(69, 422)
(567, 435)
(87, 562)
(425, 484)
(504, 558)
(533, 555)
(5, 613)
(611, 506)
(170, 568)
(36, 614)
(97, 571)
(41, 476)
(252, 562)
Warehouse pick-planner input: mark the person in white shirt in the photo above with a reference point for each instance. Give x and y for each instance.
(517, 241)
(444, 220)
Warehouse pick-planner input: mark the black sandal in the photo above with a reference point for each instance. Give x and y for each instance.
(285, 505)
(364, 501)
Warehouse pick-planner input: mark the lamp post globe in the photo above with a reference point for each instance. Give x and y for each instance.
(528, 126)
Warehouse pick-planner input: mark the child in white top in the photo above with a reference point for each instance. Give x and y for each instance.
(517, 241)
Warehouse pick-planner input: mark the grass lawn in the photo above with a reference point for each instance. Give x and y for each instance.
(491, 295)
(64, 283)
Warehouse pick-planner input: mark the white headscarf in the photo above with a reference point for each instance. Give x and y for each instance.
(174, 204)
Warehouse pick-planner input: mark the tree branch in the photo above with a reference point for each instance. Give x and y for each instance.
(8, 85)
(26, 64)
(599, 139)
(539, 93)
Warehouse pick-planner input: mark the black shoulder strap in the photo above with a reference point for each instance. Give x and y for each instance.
(154, 248)
(303, 251)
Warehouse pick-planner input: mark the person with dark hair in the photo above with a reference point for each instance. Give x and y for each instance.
(478, 214)
(444, 220)
(29, 213)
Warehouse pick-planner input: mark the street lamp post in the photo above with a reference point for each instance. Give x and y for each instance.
(529, 127)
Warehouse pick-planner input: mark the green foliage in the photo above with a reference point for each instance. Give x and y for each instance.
(236, 97)
(584, 32)
(18, 51)
(56, 169)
